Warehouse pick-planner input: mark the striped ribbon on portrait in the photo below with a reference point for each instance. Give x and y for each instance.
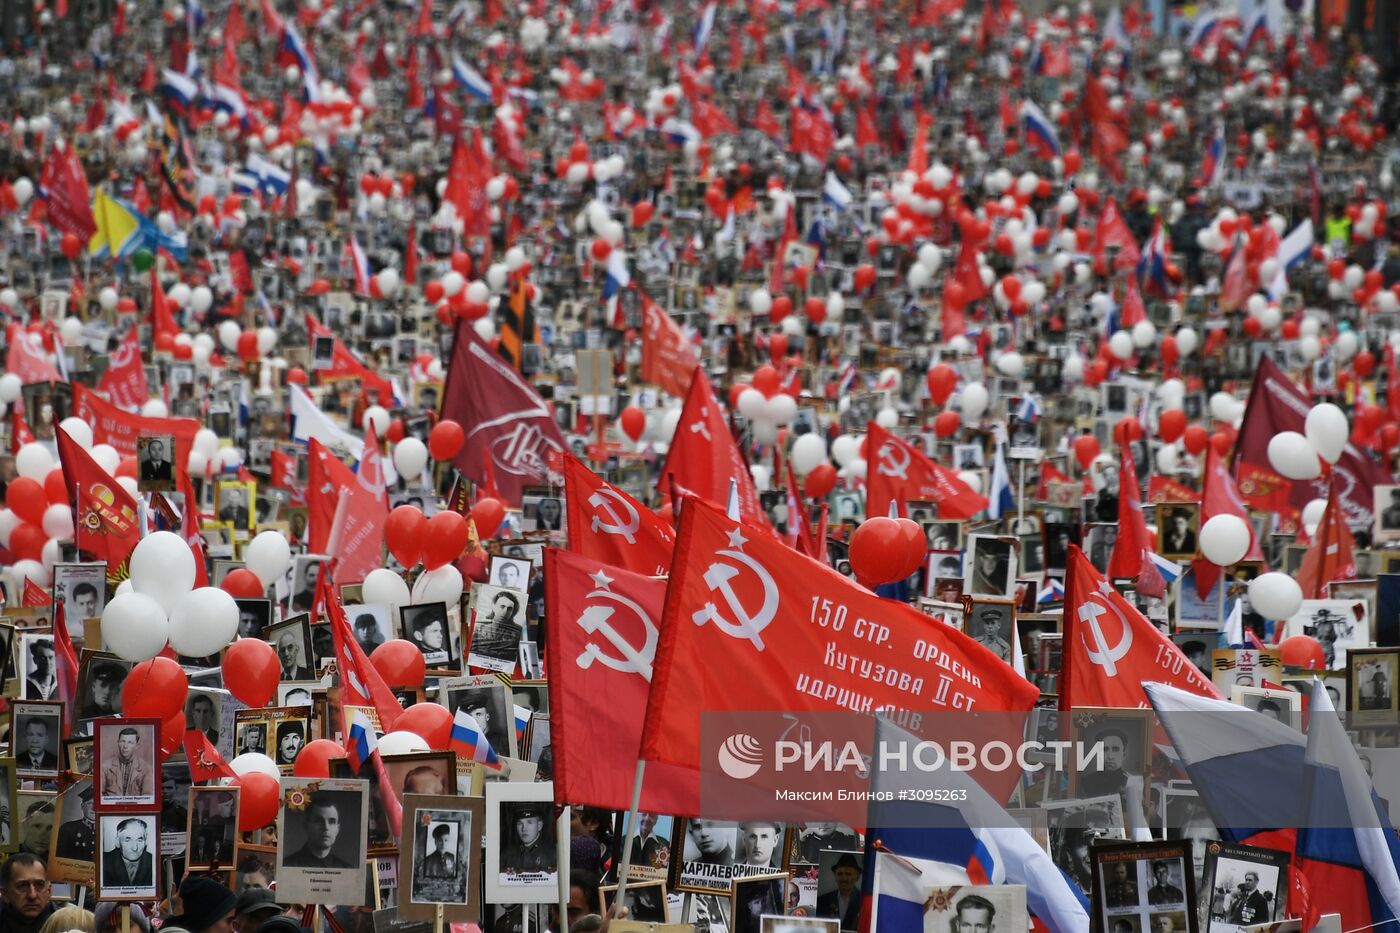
(517, 325)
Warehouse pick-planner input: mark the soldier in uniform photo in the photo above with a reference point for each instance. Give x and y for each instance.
(1247, 903)
(1121, 888)
(824, 837)
(442, 861)
(990, 635)
(530, 845)
(1163, 892)
(647, 846)
(77, 839)
(104, 691)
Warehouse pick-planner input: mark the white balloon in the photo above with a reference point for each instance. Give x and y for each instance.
(388, 280)
(162, 567)
(31, 570)
(1222, 406)
(79, 430)
(378, 416)
(1167, 458)
(34, 461)
(107, 298)
(9, 521)
(107, 457)
(780, 409)
(760, 302)
(1144, 334)
(453, 282)
(808, 452)
(134, 626)
(202, 299)
(919, 276)
(230, 458)
(845, 448)
(206, 442)
(930, 257)
(24, 190)
(255, 763)
(1346, 345)
(268, 555)
(229, 332)
(763, 431)
(155, 408)
(1011, 364)
(887, 418)
(1073, 369)
(477, 291)
(1310, 348)
(1275, 595)
(1121, 344)
(974, 399)
(1186, 341)
(71, 330)
(203, 622)
(1293, 457)
(1225, 539)
(383, 587)
(58, 521)
(496, 275)
(410, 458)
(267, 340)
(10, 387)
(835, 305)
(752, 403)
(400, 742)
(762, 477)
(972, 478)
(443, 585)
(1326, 428)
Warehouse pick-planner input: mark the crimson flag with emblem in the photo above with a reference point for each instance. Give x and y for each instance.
(899, 472)
(1131, 549)
(703, 456)
(326, 476)
(206, 763)
(603, 644)
(512, 437)
(1111, 649)
(27, 360)
(605, 524)
(361, 684)
(362, 510)
(124, 380)
(668, 359)
(751, 625)
(106, 522)
(1330, 555)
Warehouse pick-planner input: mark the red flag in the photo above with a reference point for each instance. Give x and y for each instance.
(413, 94)
(811, 133)
(704, 457)
(766, 122)
(235, 29)
(1111, 650)
(106, 519)
(1131, 547)
(918, 150)
(362, 508)
(668, 359)
(65, 658)
(1133, 310)
(710, 120)
(111, 425)
(206, 764)
(189, 529)
(744, 629)
(604, 645)
(1048, 474)
(125, 378)
(345, 363)
(1112, 230)
(1329, 555)
(605, 524)
(466, 186)
(1161, 489)
(1108, 128)
(27, 360)
(283, 468)
(866, 133)
(361, 684)
(506, 422)
(19, 430)
(424, 26)
(326, 477)
(1220, 496)
(69, 204)
(410, 260)
(898, 472)
(1237, 286)
(35, 595)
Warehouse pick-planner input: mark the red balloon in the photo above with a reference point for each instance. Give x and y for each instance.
(126, 467)
(1086, 448)
(488, 514)
(641, 213)
(1302, 651)
(243, 584)
(782, 307)
(1363, 364)
(154, 689)
(71, 245)
(864, 276)
(431, 721)
(444, 539)
(396, 431)
(877, 551)
(633, 421)
(821, 481)
(248, 345)
(1171, 424)
(1195, 439)
(172, 734)
(947, 423)
(403, 533)
(815, 309)
(765, 380)
(26, 499)
(297, 376)
(942, 380)
(258, 797)
(736, 389)
(915, 546)
(1221, 442)
(778, 346)
(251, 671)
(400, 661)
(1388, 437)
(1126, 431)
(55, 489)
(27, 541)
(445, 440)
(1370, 418)
(600, 248)
(433, 292)
(314, 759)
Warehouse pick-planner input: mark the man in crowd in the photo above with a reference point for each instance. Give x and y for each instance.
(24, 894)
(321, 826)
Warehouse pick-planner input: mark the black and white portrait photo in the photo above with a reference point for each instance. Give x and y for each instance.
(1337, 624)
(127, 755)
(499, 628)
(370, 626)
(213, 818)
(233, 502)
(39, 666)
(1124, 737)
(321, 829)
(1251, 883)
(127, 869)
(100, 686)
(306, 571)
(523, 857)
(990, 625)
(1144, 882)
(488, 701)
(36, 734)
(75, 841)
(706, 850)
(442, 852)
(991, 565)
(426, 626)
(82, 588)
(1371, 676)
(290, 737)
(254, 617)
(1075, 826)
(645, 900)
(155, 456)
(292, 641)
(755, 897)
(1387, 513)
(510, 573)
(252, 738)
(979, 907)
(202, 712)
(542, 513)
(1176, 531)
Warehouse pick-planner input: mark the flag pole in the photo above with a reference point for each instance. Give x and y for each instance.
(1020, 494)
(619, 897)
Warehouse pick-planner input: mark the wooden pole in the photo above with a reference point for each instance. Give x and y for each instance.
(437, 918)
(126, 918)
(619, 895)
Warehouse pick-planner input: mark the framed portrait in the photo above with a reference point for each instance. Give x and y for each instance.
(522, 864)
(175, 783)
(38, 665)
(1125, 736)
(82, 588)
(651, 843)
(126, 870)
(706, 862)
(440, 857)
(36, 730)
(645, 900)
(213, 821)
(991, 623)
(1076, 826)
(254, 617)
(283, 730)
(9, 806)
(783, 924)
(1337, 625)
(991, 565)
(254, 867)
(1284, 705)
(234, 503)
(128, 759)
(1371, 682)
(943, 536)
(100, 679)
(204, 710)
(702, 912)
(321, 831)
(426, 626)
(299, 694)
(498, 627)
(426, 773)
(756, 896)
(306, 570)
(542, 513)
(978, 907)
(838, 877)
(250, 736)
(291, 640)
(1142, 885)
(78, 755)
(155, 458)
(531, 695)
(1178, 526)
(370, 624)
(1387, 514)
(510, 573)
(489, 702)
(1255, 882)
(34, 821)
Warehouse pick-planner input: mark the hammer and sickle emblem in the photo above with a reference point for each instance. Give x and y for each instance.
(603, 501)
(700, 427)
(894, 461)
(1100, 653)
(745, 625)
(597, 620)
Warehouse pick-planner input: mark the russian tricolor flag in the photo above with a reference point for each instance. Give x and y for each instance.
(180, 87)
(469, 742)
(1152, 265)
(230, 99)
(1213, 164)
(835, 193)
(1205, 30)
(362, 741)
(360, 263)
(704, 27)
(471, 80)
(1040, 130)
(310, 74)
(270, 177)
(617, 276)
(680, 132)
(522, 722)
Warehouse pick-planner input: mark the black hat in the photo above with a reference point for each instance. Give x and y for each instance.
(992, 614)
(108, 672)
(529, 809)
(254, 900)
(847, 860)
(86, 793)
(442, 830)
(205, 903)
(281, 924)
